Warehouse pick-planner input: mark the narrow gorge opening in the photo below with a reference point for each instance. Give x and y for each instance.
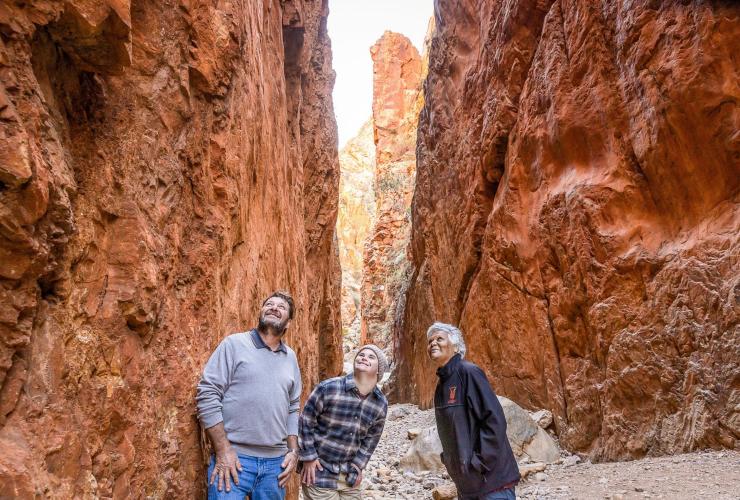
(377, 163)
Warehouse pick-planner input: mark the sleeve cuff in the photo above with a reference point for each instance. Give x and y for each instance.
(293, 424)
(307, 455)
(208, 421)
(359, 462)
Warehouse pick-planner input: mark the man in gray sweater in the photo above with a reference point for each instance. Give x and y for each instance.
(248, 401)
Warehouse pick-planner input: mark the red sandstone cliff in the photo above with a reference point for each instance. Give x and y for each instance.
(576, 212)
(396, 103)
(163, 166)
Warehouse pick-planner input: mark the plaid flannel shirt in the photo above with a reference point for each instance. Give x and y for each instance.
(341, 429)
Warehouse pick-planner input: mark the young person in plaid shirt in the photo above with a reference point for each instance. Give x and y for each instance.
(340, 427)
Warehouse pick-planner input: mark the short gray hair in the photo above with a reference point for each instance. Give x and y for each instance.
(456, 336)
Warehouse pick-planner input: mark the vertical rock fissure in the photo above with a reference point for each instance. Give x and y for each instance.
(562, 396)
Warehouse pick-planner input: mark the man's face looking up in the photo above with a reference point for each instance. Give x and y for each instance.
(275, 314)
(366, 361)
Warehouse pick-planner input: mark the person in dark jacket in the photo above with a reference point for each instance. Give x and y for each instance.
(470, 422)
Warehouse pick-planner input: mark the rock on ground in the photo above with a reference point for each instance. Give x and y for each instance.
(526, 437)
(423, 455)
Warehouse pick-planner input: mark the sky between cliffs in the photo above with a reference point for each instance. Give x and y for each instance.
(354, 26)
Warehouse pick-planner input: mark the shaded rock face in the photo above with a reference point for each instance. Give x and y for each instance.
(153, 190)
(397, 100)
(576, 213)
(354, 220)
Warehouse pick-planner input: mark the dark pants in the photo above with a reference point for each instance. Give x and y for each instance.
(507, 494)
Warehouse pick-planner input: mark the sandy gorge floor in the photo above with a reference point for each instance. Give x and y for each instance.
(712, 475)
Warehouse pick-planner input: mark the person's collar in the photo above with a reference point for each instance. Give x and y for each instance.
(260, 344)
(376, 391)
(445, 371)
(350, 384)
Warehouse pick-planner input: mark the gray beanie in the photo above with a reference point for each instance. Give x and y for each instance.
(382, 360)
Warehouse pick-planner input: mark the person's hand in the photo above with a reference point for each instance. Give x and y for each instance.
(227, 468)
(289, 463)
(358, 481)
(308, 476)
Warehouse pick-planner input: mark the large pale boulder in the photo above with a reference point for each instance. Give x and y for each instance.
(542, 448)
(424, 452)
(527, 439)
(520, 428)
(525, 435)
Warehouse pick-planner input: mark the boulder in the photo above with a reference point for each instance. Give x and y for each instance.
(527, 469)
(525, 436)
(520, 428)
(424, 453)
(528, 441)
(445, 492)
(542, 448)
(543, 418)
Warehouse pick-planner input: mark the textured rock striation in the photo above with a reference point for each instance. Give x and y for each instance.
(576, 211)
(163, 166)
(397, 100)
(354, 220)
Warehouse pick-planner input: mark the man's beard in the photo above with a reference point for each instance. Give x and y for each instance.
(263, 326)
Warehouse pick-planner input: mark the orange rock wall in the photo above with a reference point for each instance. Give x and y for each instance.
(163, 166)
(396, 104)
(354, 220)
(576, 211)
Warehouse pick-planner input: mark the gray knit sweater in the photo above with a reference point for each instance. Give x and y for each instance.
(254, 391)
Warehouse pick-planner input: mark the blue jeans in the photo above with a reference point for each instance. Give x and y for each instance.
(258, 479)
(507, 494)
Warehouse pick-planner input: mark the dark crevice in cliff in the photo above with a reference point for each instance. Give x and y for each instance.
(556, 349)
(522, 290)
(73, 94)
(493, 168)
(466, 283)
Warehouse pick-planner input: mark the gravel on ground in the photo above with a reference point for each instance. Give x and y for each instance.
(713, 475)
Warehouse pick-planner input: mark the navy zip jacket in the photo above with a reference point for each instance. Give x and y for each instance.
(472, 428)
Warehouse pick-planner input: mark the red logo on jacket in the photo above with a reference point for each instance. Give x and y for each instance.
(453, 393)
